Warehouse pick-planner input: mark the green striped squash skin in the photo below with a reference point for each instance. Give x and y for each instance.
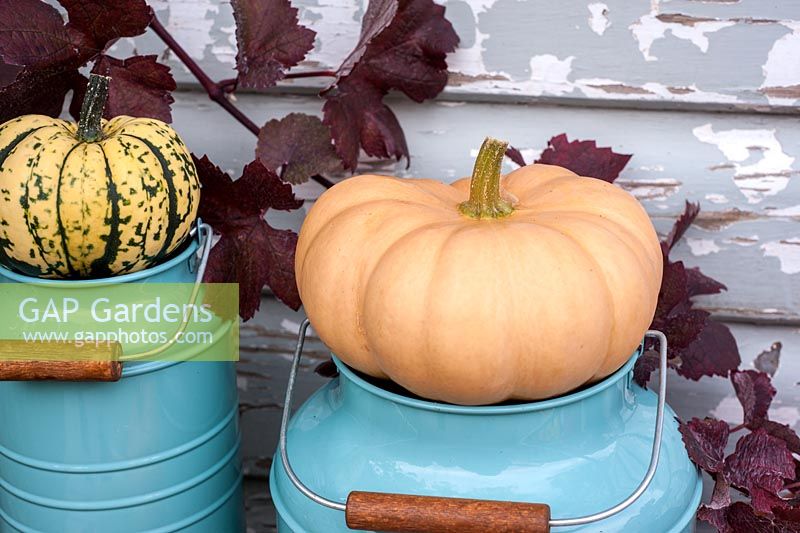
(74, 209)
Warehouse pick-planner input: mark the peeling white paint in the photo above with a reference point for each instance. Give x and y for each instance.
(785, 414)
(700, 247)
(190, 22)
(603, 88)
(782, 68)
(225, 51)
(768, 175)
(654, 190)
(469, 61)
(550, 74)
(342, 28)
(531, 154)
(528, 154)
(648, 29)
(728, 409)
(788, 253)
(598, 20)
(793, 211)
(692, 94)
(716, 198)
(290, 325)
(749, 240)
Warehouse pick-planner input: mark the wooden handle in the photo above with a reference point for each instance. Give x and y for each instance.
(59, 361)
(376, 511)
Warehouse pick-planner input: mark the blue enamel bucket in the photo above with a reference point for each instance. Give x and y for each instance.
(605, 458)
(157, 451)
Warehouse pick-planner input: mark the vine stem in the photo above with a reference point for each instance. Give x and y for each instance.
(216, 91)
(311, 74)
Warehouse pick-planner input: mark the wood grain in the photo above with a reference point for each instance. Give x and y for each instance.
(739, 243)
(724, 55)
(46, 361)
(403, 513)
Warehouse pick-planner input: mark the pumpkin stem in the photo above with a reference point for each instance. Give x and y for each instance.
(94, 102)
(484, 188)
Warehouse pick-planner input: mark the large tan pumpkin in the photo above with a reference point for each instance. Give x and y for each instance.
(476, 298)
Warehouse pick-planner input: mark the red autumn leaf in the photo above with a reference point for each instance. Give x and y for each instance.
(8, 73)
(683, 328)
(515, 155)
(760, 464)
(673, 296)
(783, 432)
(686, 219)
(140, 87)
(103, 21)
(269, 40)
(698, 345)
(716, 517)
(715, 511)
(33, 34)
(713, 353)
(768, 360)
(327, 369)
(790, 514)
(645, 365)
(37, 91)
(379, 14)
(584, 158)
(741, 518)
(297, 147)
(357, 117)
(764, 500)
(705, 441)
(755, 392)
(250, 252)
(698, 283)
(403, 46)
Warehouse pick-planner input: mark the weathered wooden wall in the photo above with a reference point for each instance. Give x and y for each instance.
(704, 93)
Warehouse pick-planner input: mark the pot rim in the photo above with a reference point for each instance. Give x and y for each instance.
(439, 407)
(189, 248)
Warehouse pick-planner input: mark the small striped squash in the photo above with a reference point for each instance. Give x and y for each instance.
(93, 199)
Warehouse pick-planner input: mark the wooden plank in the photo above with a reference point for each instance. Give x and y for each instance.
(262, 379)
(664, 53)
(741, 168)
(258, 506)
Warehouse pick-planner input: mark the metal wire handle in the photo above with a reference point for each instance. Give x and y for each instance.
(554, 522)
(203, 232)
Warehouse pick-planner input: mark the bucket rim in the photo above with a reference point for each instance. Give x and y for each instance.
(541, 405)
(189, 248)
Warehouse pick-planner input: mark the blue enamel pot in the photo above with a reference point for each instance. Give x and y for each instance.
(602, 458)
(157, 451)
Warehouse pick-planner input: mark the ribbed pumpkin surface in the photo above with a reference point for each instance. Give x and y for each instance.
(77, 209)
(558, 293)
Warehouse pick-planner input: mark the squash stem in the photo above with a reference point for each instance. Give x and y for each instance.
(94, 103)
(485, 200)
